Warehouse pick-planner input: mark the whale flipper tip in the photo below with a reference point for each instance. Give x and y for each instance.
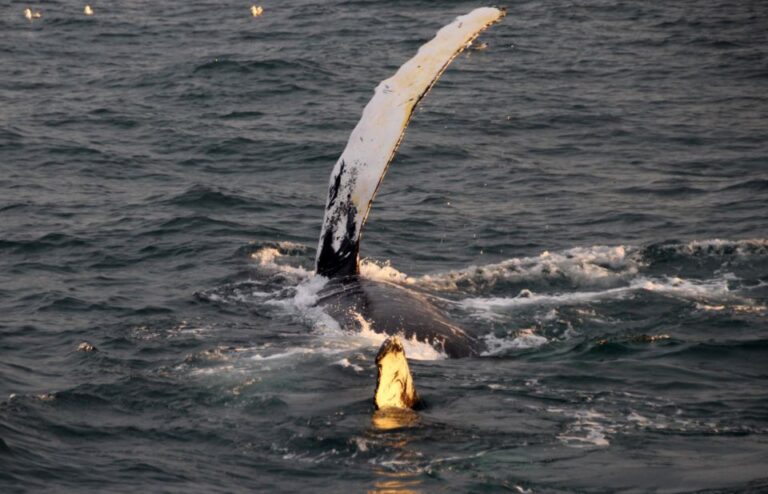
(394, 386)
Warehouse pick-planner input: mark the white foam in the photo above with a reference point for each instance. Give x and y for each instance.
(308, 291)
(523, 339)
(181, 329)
(693, 290)
(710, 308)
(264, 358)
(601, 266)
(749, 309)
(303, 305)
(735, 308)
(287, 353)
(530, 299)
(267, 258)
(598, 265)
(716, 289)
(372, 270)
(287, 245)
(367, 336)
(587, 266)
(240, 292)
(347, 364)
(592, 436)
(304, 300)
(589, 428)
(719, 247)
(208, 371)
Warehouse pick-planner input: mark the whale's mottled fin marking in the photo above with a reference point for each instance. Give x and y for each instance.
(374, 141)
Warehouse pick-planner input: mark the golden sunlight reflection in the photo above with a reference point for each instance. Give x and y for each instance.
(386, 419)
(401, 474)
(396, 482)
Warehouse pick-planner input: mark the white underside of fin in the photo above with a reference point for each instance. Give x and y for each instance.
(375, 139)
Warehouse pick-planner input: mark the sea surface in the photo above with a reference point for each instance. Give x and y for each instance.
(588, 194)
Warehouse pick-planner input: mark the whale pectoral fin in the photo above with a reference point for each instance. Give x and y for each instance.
(339, 246)
(374, 141)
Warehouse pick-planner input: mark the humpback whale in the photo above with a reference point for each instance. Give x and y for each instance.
(348, 297)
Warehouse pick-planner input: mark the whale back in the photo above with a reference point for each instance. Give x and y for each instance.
(397, 311)
(373, 143)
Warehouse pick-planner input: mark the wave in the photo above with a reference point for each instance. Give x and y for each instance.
(588, 428)
(703, 293)
(284, 283)
(756, 247)
(49, 241)
(755, 185)
(597, 265)
(528, 298)
(523, 339)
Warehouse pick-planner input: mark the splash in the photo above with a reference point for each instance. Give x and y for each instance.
(414, 349)
(267, 259)
(372, 270)
(616, 270)
(302, 305)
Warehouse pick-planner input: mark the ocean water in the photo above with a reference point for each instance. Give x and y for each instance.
(588, 194)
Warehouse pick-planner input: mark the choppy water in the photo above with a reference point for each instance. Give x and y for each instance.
(588, 194)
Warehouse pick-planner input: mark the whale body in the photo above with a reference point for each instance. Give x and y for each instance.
(386, 307)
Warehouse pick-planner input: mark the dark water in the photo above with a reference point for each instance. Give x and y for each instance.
(589, 194)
